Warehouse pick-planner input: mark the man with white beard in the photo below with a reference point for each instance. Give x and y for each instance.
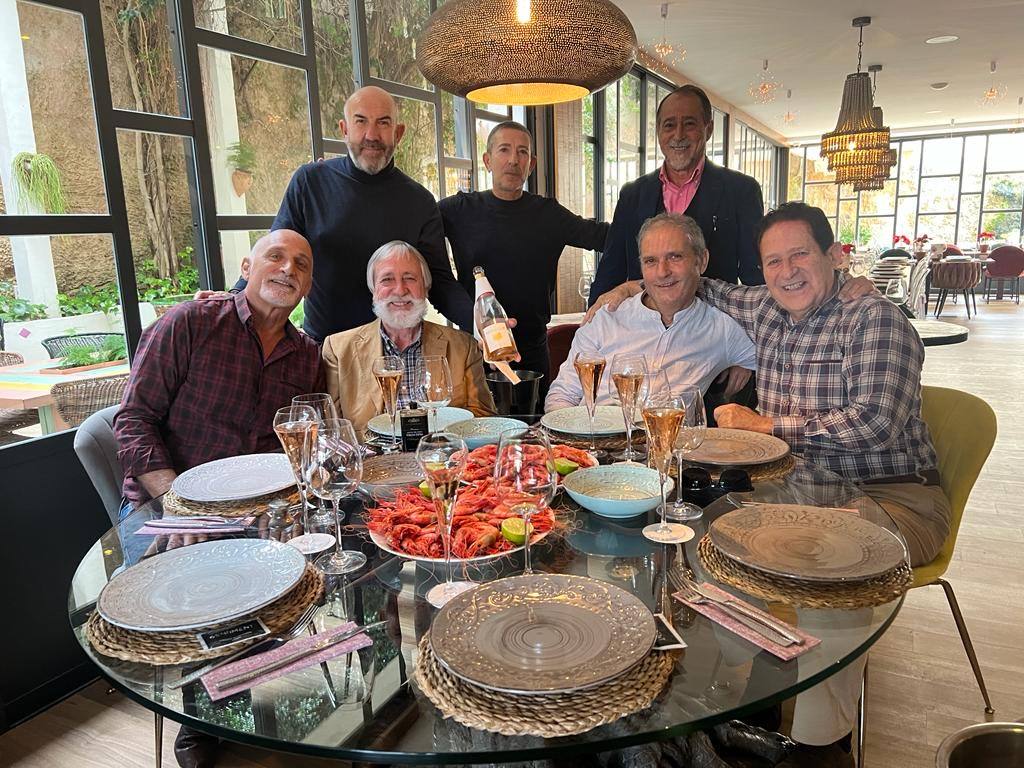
(399, 278)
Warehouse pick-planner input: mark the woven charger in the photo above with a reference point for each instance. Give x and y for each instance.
(174, 504)
(550, 715)
(180, 647)
(842, 595)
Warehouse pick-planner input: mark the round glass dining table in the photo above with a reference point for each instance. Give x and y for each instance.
(366, 707)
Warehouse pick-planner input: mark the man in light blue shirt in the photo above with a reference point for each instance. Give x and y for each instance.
(667, 323)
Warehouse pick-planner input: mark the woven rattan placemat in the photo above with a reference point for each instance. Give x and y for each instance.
(181, 647)
(561, 714)
(175, 505)
(758, 472)
(806, 594)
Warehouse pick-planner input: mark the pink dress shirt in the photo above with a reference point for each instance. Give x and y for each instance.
(678, 197)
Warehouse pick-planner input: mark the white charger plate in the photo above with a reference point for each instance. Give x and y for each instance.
(574, 421)
(235, 478)
(381, 423)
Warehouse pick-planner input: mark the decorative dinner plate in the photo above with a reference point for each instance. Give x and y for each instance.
(542, 633)
(201, 585)
(483, 430)
(574, 421)
(738, 448)
(392, 469)
(807, 543)
(235, 478)
(381, 423)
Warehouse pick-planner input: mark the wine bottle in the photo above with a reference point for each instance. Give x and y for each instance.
(492, 322)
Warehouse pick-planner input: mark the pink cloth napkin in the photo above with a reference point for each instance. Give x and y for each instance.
(254, 662)
(717, 615)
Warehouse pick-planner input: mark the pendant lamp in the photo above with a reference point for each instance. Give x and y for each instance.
(525, 52)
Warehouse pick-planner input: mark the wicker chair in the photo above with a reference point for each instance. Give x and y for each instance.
(14, 418)
(77, 400)
(58, 346)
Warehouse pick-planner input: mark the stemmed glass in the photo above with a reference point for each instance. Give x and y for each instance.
(296, 427)
(525, 477)
(442, 456)
(663, 413)
(690, 437)
(625, 385)
(323, 407)
(436, 387)
(336, 471)
(586, 280)
(388, 371)
(896, 291)
(589, 368)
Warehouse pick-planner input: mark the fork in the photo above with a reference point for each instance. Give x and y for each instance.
(748, 617)
(270, 641)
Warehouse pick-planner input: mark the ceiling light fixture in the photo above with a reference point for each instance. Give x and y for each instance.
(764, 86)
(858, 146)
(995, 91)
(881, 172)
(933, 112)
(789, 116)
(663, 52)
(939, 86)
(1018, 124)
(525, 52)
(940, 39)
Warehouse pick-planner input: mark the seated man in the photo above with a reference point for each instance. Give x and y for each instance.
(399, 279)
(672, 328)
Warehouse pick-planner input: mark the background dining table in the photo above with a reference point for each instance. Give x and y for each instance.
(718, 677)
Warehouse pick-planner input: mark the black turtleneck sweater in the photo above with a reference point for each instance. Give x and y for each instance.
(346, 215)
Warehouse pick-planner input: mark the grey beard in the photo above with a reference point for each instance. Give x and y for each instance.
(362, 166)
(407, 320)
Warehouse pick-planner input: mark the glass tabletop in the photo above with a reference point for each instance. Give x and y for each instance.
(367, 708)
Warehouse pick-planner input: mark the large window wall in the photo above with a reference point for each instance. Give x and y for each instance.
(754, 154)
(950, 188)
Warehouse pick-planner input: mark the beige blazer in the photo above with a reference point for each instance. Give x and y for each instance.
(349, 355)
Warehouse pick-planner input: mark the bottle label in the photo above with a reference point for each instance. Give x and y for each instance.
(497, 336)
(414, 426)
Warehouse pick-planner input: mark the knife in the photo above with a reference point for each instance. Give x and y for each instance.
(291, 658)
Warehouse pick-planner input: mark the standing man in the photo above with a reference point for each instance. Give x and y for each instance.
(348, 207)
(725, 204)
(517, 238)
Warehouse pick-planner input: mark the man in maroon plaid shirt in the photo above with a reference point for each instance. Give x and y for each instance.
(209, 375)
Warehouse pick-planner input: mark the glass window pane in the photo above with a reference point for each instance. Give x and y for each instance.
(974, 164)
(847, 232)
(1005, 226)
(970, 210)
(157, 195)
(391, 30)
(588, 116)
(457, 180)
(652, 129)
(910, 167)
(795, 186)
(824, 196)
(941, 156)
(940, 229)
(259, 129)
(629, 110)
(817, 166)
(875, 231)
(1006, 152)
(880, 201)
(47, 118)
(272, 22)
(588, 183)
(906, 217)
(1004, 190)
(483, 129)
(335, 79)
(611, 145)
(939, 195)
(453, 112)
(416, 154)
(847, 192)
(139, 33)
(716, 146)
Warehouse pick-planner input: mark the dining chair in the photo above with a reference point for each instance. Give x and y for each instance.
(559, 342)
(96, 448)
(963, 430)
(14, 418)
(1007, 267)
(956, 277)
(58, 346)
(77, 400)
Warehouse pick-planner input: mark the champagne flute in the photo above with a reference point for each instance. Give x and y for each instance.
(663, 414)
(388, 371)
(626, 386)
(335, 473)
(436, 389)
(589, 368)
(442, 456)
(690, 437)
(323, 406)
(525, 477)
(896, 291)
(296, 427)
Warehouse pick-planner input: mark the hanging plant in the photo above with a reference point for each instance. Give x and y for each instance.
(39, 184)
(242, 158)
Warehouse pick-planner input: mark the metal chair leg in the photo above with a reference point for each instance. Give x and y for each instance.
(862, 718)
(965, 637)
(974, 301)
(158, 733)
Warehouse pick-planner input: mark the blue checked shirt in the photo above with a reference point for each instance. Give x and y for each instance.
(843, 385)
(412, 363)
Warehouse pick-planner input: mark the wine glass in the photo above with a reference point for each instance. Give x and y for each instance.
(442, 456)
(896, 291)
(625, 385)
(296, 427)
(858, 265)
(436, 387)
(525, 477)
(589, 368)
(663, 413)
(388, 371)
(586, 280)
(335, 472)
(690, 437)
(323, 406)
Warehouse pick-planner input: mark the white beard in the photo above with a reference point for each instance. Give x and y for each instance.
(409, 319)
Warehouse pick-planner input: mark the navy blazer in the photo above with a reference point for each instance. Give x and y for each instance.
(727, 206)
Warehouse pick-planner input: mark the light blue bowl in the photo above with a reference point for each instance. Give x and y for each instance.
(616, 490)
(484, 430)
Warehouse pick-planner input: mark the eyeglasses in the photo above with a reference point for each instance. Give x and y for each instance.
(699, 479)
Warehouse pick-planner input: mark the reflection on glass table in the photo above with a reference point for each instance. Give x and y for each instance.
(348, 710)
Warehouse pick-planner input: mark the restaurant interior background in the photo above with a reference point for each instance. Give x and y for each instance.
(174, 128)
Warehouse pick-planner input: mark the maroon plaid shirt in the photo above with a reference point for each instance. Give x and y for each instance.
(200, 390)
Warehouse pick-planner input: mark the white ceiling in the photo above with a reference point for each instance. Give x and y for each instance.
(812, 46)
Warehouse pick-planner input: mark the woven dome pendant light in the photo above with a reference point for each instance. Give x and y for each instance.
(525, 52)
(857, 146)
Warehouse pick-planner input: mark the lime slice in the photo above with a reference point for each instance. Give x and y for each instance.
(565, 466)
(425, 488)
(514, 529)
